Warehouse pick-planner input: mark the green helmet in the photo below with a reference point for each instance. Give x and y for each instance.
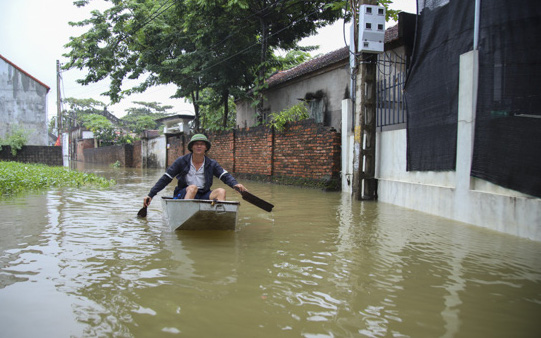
(198, 137)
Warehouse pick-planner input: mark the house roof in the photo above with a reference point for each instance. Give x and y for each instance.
(339, 55)
(309, 66)
(391, 34)
(175, 118)
(25, 73)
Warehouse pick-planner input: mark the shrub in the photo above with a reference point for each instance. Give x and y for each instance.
(297, 112)
(16, 140)
(16, 177)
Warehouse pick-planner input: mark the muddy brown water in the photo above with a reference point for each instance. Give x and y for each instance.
(78, 262)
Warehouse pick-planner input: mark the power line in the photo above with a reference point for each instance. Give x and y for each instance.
(170, 3)
(257, 44)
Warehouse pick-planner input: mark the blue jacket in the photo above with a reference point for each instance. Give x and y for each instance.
(180, 169)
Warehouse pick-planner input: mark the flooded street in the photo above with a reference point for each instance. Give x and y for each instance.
(78, 262)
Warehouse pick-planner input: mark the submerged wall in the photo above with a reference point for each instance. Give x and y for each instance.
(33, 154)
(304, 153)
(455, 194)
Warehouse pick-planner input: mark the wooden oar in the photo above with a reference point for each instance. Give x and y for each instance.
(142, 213)
(258, 202)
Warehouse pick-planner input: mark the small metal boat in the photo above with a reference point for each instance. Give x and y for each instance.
(200, 214)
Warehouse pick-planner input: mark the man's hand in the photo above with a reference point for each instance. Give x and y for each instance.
(239, 187)
(146, 201)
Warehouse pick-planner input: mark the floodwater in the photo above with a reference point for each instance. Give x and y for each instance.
(78, 262)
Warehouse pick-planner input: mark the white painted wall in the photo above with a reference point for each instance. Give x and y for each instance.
(153, 152)
(455, 194)
(333, 82)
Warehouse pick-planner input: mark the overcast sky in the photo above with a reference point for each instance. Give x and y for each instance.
(33, 34)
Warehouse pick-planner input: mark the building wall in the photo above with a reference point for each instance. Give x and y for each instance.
(137, 154)
(110, 155)
(333, 83)
(455, 194)
(23, 104)
(81, 145)
(156, 156)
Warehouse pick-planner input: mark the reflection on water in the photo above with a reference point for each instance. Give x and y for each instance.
(77, 262)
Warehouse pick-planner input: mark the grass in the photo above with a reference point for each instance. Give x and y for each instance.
(17, 177)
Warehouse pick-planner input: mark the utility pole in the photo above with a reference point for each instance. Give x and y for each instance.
(364, 170)
(58, 100)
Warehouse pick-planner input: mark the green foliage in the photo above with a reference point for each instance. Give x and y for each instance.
(102, 128)
(16, 139)
(276, 63)
(297, 112)
(194, 44)
(390, 14)
(144, 117)
(292, 59)
(77, 109)
(212, 113)
(16, 177)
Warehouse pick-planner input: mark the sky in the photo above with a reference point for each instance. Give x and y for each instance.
(33, 34)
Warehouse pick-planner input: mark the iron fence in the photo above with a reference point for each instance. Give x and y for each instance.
(391, 109)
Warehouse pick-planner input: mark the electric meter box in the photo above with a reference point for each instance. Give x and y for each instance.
(371, 29)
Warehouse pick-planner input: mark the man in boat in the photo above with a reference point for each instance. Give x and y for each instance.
(194, 172)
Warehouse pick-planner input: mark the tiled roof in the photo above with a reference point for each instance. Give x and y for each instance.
(309, 66)
(391, 34)
(323, 61)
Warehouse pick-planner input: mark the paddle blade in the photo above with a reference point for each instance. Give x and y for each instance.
(258, 202)
(142, 213)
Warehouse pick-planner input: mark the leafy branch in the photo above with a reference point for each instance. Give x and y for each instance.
(297, 112)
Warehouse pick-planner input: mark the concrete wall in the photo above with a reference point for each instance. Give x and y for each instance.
(455, 194)
(332, 82)
(153, 152)
(23, 103)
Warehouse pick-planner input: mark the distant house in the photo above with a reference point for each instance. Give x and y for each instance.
(23, 103)
(325, 81)
(322, 83)
(176, 124)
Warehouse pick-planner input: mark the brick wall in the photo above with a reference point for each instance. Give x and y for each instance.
(305, 153)
(253, 152)
(223, 149)
(81, 146)
(176, 147)
(137, 160)
(34, 154)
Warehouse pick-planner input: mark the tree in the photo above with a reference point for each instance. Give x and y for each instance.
(103, 129)
(351, 7)
(78, 109)
(212, 114)
(222, 45)
(144, 117)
